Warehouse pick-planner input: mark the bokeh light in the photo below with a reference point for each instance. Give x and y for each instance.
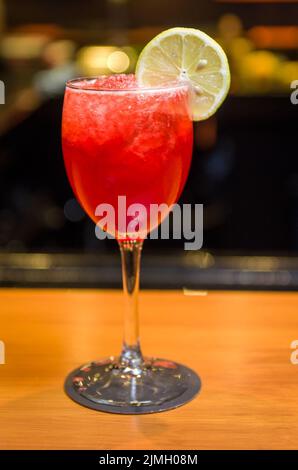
(118, 61)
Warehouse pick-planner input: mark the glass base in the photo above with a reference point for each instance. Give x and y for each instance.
(109, 385)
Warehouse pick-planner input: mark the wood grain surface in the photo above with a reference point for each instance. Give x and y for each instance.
(238, 342)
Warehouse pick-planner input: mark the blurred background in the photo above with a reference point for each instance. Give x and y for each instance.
(245, 161)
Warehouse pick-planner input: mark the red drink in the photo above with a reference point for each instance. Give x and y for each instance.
(120, 140)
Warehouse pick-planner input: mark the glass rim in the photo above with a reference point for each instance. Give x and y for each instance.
(74, 85)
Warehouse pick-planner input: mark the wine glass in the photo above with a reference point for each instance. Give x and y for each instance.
(123, 142)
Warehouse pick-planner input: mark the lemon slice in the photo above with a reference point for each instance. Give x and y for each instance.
(189, 55)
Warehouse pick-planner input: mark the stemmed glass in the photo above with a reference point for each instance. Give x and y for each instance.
(122, 141)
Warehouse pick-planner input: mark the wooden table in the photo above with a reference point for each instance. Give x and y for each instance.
(239, 343)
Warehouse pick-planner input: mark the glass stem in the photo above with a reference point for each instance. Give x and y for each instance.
(131, 356)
